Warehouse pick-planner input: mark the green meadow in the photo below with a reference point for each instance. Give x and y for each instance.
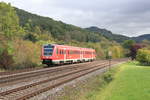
(131, 82)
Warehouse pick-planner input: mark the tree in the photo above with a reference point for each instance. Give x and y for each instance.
(29, 26)
(117, 51)
(6, 60)
(134, 49)
(37, 30)
(128, 44)
(9, 22)
(143, 56)
(30, 37)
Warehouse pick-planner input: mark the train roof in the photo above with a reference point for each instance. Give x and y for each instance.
(66, 46)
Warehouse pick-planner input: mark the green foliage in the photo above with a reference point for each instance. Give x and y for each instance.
(1, 48)
(10, 47)
(128, 44)
(9, 22)
(118, 52)
(37, 30)
(108, 78)
(31, 37)
(57, 29)
(6, 60)
(143, 56)
(108, 34)
(27, 54)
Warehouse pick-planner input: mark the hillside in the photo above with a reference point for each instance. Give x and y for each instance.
(57, 29)
(142, 37)
(108, 34)
(67, 32)
(22, 34)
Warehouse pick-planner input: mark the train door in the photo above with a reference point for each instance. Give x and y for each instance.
(81, 55)
(65, 54)
(92, 54)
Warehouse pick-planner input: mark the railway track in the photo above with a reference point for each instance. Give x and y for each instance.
(30, 90)
(27, 70)
(24, 75)
(18, 71)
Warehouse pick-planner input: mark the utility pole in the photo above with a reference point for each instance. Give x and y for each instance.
(110, 56)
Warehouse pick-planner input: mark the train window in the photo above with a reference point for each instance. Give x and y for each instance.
(60, 51)
(68, 52)
(48, 46)
(48, 50)
(56, 51)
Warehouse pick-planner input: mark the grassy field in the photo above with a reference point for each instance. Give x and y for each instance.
(132, 82)
(1, 70)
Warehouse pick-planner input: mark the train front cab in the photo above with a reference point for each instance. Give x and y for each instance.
(47, 54)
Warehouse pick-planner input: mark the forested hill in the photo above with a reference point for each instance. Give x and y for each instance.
(57, 29)
(108, 34)
(22, 34)
(142, 37)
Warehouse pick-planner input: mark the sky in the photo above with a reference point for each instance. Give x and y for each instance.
(126, 17)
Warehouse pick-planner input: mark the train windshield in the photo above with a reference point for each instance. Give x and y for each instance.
(48, 50)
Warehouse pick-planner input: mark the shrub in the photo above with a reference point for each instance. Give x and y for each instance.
(108, 77)
(31, 37)
(6, 60)
(143, 56)
(134, 49)
(27, 54)
(117, 52)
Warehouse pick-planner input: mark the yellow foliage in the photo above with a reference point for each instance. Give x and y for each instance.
(26, 53)
(143, 56)
(117, 51)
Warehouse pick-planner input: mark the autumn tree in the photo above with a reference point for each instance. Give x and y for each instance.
(128, 44)
(9, 22)
(134, 49)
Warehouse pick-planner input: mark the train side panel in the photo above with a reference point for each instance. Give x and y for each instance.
(60, 54)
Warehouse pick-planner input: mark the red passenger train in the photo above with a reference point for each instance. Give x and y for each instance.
(60, 54)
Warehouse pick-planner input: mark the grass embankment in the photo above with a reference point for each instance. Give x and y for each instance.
(132, 82)
(1, 70)
(85, 89)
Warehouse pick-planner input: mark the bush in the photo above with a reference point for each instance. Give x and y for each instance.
(6, 60)
(27, 54)
(134, 49)
(117, 52)
(26, 63)
(108, 77)
(31, 37)
(143, 56)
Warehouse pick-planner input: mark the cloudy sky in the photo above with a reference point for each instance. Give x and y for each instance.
(128, 17)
